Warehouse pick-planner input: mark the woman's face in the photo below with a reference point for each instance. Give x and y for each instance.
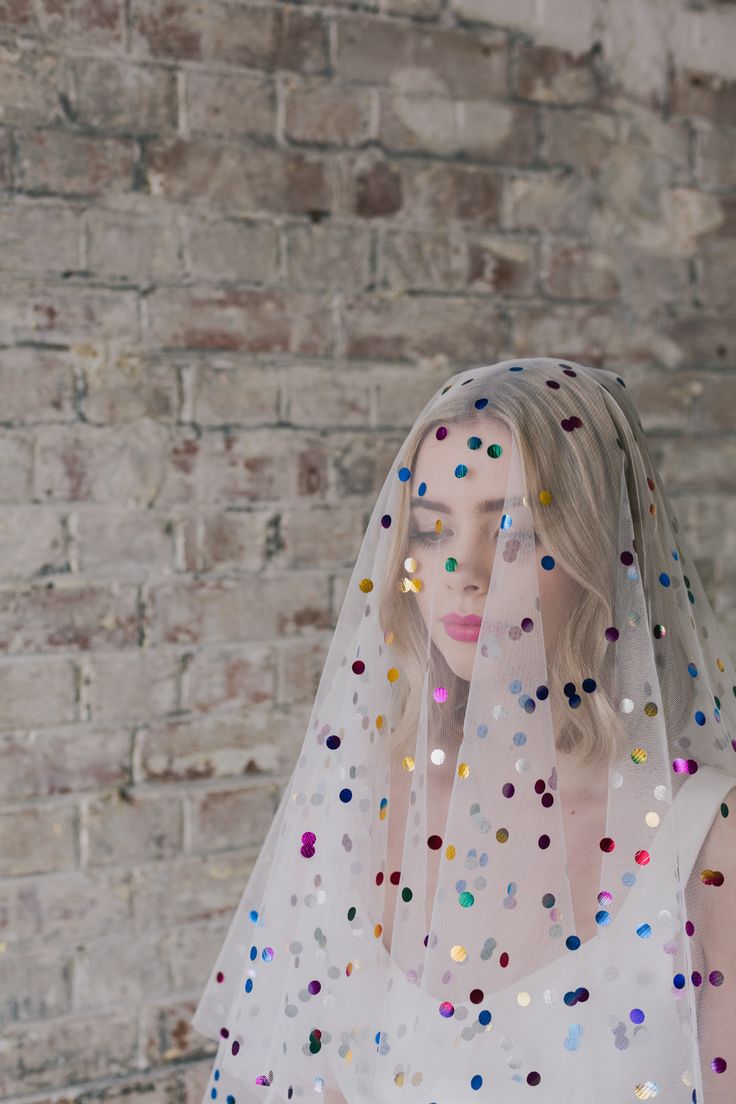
(470, 509)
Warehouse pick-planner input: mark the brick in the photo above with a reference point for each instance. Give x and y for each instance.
(34, 986)
(715, 157)
(404, 328)
(119, 464)
(443, 60)
(65, 615)
(32, 541)
(223, 745)
(124, 967)
(709, 95)
(560, 199)
(503, 265)
(37, 840)
(16, 466)
(18, 15)
(327, 535)
(117, 95)
(549, 75)
(440, 192)
(23, 705)
(218, 815)
(133, 248)
(571, 28)
(227, 679)
(238, 179)
(254, 37)
(45, 312)
(37, 386)
(128, 386)
(60, 162)
(62, 761)
(238, 319)
(592, 334)
(685, 462)
(214, 104)
(646, 280)
(328, 256)
(572, 271)
(100, 22)
(6, 159)
(582, 138)
(231, 390)
(33, 84)
(64, 908)
(496, 132)
(331, 114)
(122, 542)
(300, 667)
(318, 396)
(168, 1033)
(230, 542)
(223, 610)
(443, 259)
(702, 339)
(359, 463)
(395, 406)
(39, 237)
(133, 829)
(131, 687)
(68, 1050)
(233, 249)
(189, 889)
(717, 275)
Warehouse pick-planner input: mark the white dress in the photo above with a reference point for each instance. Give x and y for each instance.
(625, 971)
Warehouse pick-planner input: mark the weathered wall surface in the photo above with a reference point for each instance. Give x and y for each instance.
(240, 246)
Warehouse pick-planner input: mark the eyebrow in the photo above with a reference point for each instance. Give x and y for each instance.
(486, 507)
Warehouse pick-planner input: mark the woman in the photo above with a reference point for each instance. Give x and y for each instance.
(504, 862)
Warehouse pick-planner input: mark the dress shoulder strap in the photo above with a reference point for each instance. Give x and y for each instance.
(695, 807)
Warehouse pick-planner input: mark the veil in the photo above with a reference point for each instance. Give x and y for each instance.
(503, 865)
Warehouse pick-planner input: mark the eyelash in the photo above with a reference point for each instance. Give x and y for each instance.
(422, 537)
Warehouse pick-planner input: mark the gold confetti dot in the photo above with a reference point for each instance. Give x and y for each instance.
(379, 721)
(388, 636)
(720, 665)
(438, 525)
(502, 835)
(458, 953)
(545, 497)
(463, 771)
(416, 585)
(639, 755)
(392, 674)
(407, 763)
(450, 851)
(366, 585)
(651, 709)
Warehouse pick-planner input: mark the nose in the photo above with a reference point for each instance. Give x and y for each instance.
(474, 557)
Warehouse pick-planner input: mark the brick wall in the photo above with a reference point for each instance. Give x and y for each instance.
(240, 246)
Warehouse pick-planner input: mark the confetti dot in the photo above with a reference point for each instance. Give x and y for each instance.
(476, 1081)
(664, 579)
(392, 674)
(547, 562)
(461, 470)
(545, 497)
(718, 1065)
(480, 404)
(533, 1078)
(494, 451)
(358, 666)
(404, 474)
(441, 433)
(474, 442)
(366, 585)
(611, 634)
(450, 563)
(440, 694)
(346, 795)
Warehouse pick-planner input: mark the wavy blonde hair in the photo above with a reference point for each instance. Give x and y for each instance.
(582, 491)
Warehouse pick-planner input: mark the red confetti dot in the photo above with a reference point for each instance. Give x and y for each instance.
(220, 975)
(476, 996)
(395, 877)
(358, 666)
(642, 857)
(607, 844)
(504, 959)
(379, 878)
(544, 842)
(435, 842)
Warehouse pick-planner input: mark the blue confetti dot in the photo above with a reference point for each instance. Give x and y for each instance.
(217, 1075)
(674, 554)
(506, 521)
(249, 985)
(213, 1094)
(572, 942)
(519, 739)
(461, 470)
(664, 579)
(480, 404)
(422, 489)
(476, 1081)
(253, 954)
(603, 917)
(542, 693)
(484, 1017)
(515, 686)
(692, 670)
(230, 1099)
(404, 474)
(517, 368)
(548, 562)
(474, 442)
(679, 981)
(644, 931)
(574, 701)
(589, 685)
(482, 730)
(700, 717)
(253, 914)
(636, 1015)
(346, 795)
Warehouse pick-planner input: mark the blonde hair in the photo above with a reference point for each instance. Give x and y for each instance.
(582, 490)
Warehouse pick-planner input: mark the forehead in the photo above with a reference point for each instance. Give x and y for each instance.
(437, 459)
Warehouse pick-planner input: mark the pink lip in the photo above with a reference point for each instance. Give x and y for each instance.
(462, 627)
